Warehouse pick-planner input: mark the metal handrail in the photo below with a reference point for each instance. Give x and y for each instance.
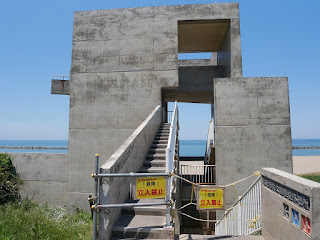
(240, 198)
(61, 76)
(204, 174)
(112, 175)
(210, 140)
(170, 154)
(243, 218)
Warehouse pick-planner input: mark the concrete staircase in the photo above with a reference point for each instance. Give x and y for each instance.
(146, 222)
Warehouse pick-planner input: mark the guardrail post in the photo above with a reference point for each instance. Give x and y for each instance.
(168, 192)
(94, 235)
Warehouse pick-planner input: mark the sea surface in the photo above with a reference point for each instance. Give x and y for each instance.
(187, 147)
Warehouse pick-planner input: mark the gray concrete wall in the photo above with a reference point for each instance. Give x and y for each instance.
(195, 85)
(44, 176)
(300, 194)
(128, 158)
(252, 129)
(121, 60)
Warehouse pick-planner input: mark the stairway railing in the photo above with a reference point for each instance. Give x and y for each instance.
(210, 140)
(170, 155)
(197, 173)
(243, 218)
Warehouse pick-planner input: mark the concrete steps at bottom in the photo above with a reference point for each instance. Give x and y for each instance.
(158, 210)
(152, 170)
(139, 227)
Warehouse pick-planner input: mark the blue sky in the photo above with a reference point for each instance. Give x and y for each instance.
(279, 38)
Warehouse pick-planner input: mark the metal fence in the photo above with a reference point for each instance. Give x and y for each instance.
(169, 116)
(198, 173)
(243, 218)
(210, 140)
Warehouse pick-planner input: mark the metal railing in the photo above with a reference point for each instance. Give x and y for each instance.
(169, 116)
(210, 140)
(62, 76)
(171, 155)
(94, 200)
(243, 218)
(198, 173)
(170, 158)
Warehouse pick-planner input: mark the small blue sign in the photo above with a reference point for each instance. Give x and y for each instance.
(295, 217)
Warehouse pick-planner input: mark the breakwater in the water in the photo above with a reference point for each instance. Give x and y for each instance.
(306, 147)
(1, 147)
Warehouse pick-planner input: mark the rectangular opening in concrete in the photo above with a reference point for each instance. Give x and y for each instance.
(201, 35)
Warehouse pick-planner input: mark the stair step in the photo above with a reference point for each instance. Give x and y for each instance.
(164, 130)
(152, 170)
(154, 163)
(162, 135)
(160, 141)
(139, 226)
(156, 156)
(161, 138)
(157, 150)
(158, 210)
(159, 145)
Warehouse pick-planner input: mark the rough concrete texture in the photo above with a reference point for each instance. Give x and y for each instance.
(252, 129)
(274, 224)
(44, 176)
(195, 84)
(60, 87)
(121, 60)
(128, 158)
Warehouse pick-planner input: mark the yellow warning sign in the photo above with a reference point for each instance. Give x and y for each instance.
(210, 198)
(150, 187)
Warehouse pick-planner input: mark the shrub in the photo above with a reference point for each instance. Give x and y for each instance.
(28, 220)
(9, 181)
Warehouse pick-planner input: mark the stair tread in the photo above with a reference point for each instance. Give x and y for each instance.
(139, 221)
(153, 169)
(148, 200)
(156, 154)
(156, 160)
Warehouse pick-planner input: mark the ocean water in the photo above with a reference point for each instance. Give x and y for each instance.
(304, 143)
(187, 147)
(34, 143)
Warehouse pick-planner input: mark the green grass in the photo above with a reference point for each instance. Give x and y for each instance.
(28, 220)
(312, 176)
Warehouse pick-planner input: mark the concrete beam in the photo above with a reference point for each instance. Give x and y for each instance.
(60, 87)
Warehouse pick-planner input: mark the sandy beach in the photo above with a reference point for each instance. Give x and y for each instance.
(306, 164)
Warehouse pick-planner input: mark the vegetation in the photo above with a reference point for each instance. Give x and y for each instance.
(9, 181)
(312, 176)
(28, 220)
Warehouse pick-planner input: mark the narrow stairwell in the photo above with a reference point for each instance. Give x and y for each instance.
(146, 222)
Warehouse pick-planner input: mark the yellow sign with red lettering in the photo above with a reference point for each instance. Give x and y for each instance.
(210, 198)
(150, 187)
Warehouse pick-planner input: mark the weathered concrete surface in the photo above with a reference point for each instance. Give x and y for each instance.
(44, 176)
(274, 224)
(60, 87)
(121, 60)
(195, 84)
(128, 158)
(252, 129)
